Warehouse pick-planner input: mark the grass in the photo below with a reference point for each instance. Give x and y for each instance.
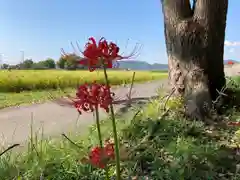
(169, 147)
(236, 80)
(32, 97)
(39, 86)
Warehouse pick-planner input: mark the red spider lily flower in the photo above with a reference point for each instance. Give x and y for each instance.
(234, 123)
(95, 53)
(90, 96)
(96, 157)
(99, 157)
(109, 149)
(230, 62)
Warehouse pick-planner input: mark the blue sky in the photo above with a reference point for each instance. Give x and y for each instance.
(41, 28)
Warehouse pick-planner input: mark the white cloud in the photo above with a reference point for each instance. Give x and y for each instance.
(232, 43)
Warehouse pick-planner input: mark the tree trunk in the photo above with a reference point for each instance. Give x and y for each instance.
(195, 44)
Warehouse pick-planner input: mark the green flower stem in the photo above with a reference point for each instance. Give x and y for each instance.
(98, 127)
(116, 143)
(100, 137)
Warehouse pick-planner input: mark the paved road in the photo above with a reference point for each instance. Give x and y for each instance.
(56, 117)
(232, 70)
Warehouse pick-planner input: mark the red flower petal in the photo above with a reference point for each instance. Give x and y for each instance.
(92, 39)
(103, 50)
(90, 96)
(83, 61)
(109, 150)
(234, 123)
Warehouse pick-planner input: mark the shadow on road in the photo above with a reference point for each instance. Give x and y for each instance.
(127, 104)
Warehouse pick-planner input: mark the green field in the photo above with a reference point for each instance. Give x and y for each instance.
(32, 86)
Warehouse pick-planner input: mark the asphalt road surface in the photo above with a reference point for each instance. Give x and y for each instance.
(55, 117)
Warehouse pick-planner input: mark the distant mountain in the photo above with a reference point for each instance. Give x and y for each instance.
(234, 61)
(157, 66)
(141, 65)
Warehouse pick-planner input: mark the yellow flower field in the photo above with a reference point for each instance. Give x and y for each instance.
(30, 80)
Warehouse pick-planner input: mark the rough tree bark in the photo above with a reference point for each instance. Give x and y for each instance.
(195, 44)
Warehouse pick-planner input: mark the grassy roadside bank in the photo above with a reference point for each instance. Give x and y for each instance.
(169, 147)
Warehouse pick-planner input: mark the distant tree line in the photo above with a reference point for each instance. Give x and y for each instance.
(69, 63)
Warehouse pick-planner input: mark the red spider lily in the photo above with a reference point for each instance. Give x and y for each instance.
(230, 62)
(234, 123)
(95, 53)
(96, 157)
(109, 149)
(90, 96)
(103, 52)
(99, 157)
